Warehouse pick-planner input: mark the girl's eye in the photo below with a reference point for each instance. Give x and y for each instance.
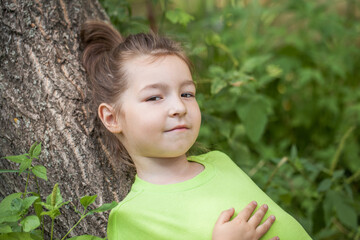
(187, 95)
(153, 98)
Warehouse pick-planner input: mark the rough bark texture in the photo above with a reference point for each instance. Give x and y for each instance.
(44, 97)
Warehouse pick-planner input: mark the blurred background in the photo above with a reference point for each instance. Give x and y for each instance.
(278, 86)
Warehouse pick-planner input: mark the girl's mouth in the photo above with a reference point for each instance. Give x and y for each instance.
(178, 128)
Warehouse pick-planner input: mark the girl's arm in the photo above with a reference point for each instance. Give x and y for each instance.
(243, 226)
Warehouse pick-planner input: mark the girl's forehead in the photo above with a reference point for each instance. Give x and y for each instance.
(147, 66)
(144, 61)
(149, 70)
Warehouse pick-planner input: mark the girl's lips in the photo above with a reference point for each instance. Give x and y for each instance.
(178, 128)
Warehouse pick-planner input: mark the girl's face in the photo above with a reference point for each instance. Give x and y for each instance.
(159, 114)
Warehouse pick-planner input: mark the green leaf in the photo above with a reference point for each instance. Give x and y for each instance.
(29, 201)
(6, 202)
(307, 75)
(344, 210)
(18, 158)
(274, 71)
(253, 62)
(347, 214)
(16, 227)
(16, 204)
(216, 71)
(87, 200)
(36, 151)
(293, 153)
(52, 213)
(10, 216)
(105, 207)
(40, 171)
(324, 185)
(217, 85)
(47, 206)
(213, 39)
(25, 164)
(30, 223)
(178, 16)
(4, 228)
(338, 174)
(298, 164)
(349, 193)
(50, 207)
(86, 237)
(10, 208)
(38, 207)
(62, 204)
(254, 117)
(19, 236)
(8, 171)
(330, 197)
(318, 217)
(31, 150)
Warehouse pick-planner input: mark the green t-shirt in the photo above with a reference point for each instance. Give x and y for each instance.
(188, 210)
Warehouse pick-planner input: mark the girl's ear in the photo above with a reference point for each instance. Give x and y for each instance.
(108, 117)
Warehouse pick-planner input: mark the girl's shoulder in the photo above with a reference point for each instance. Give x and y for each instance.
(214, 157)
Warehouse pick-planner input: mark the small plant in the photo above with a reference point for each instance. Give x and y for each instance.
(16, 221)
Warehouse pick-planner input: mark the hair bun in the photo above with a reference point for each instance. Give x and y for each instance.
(101, 34)
(98, 39)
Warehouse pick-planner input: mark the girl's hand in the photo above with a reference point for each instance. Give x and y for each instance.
(243, 227)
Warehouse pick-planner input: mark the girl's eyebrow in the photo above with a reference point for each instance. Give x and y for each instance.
(164, 86)
(154, 86)
(188, 82)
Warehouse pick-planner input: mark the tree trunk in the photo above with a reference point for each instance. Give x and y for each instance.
(45, 98)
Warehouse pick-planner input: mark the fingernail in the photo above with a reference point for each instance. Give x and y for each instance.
(273, 217)
(265, 206)
(254, 202)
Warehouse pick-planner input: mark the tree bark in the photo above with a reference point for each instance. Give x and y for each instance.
(45, 98)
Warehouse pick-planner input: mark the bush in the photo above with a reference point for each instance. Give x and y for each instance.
(278, 86)
(22, 213)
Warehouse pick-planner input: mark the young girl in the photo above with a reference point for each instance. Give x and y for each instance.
(145, 96)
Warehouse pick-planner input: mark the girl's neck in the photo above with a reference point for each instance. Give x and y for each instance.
(166, 170)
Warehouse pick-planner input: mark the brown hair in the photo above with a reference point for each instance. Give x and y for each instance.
(104, 56)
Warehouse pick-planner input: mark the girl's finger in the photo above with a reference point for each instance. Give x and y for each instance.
(225, 216)
(263, 228)
(258, 216)
(247, 211)
(275, 238)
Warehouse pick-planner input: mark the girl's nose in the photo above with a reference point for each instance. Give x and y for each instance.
(177, 108)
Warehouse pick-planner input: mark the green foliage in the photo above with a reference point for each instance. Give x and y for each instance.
(40, 171)
(120, 14)
(278, 86)
(16, 220)
(178, 16)
(87, 200)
